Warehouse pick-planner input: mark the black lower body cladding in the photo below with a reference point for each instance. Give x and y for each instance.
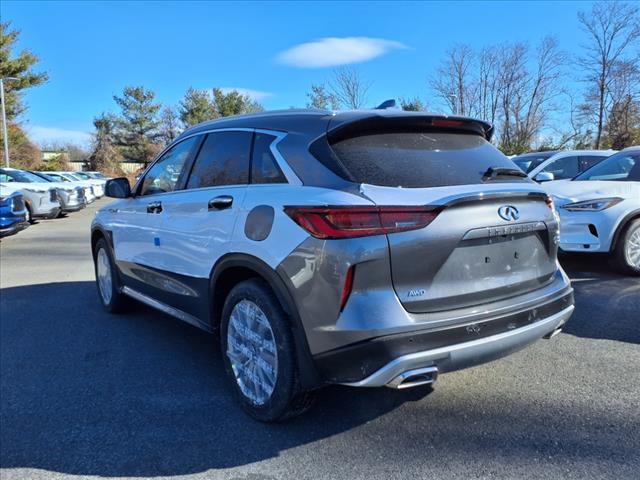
(357, 361)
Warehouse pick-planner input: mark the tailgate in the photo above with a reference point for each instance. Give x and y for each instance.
(485, 245)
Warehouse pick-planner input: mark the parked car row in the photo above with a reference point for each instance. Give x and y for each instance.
(597, 196)
(27, 195)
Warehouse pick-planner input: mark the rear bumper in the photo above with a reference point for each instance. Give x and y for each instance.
(68, 208)
(380, 360)
(48, 213)
(467, 354)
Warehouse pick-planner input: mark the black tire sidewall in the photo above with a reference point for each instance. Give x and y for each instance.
(259, 292)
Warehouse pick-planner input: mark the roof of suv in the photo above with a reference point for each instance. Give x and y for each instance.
(313, 121)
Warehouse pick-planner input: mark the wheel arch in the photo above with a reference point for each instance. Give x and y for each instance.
(622, 225)
(96, 234)
(236, 267)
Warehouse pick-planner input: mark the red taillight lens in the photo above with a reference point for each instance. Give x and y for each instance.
(348, 285)
(350, 222)
(550, 203)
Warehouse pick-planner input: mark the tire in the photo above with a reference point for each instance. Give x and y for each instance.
(107, 281)
(30, 218)
(626, 255)
(251, 307)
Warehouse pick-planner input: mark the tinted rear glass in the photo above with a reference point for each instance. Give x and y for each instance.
(420, 159)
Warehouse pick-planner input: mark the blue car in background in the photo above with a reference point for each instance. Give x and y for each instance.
(13, 211)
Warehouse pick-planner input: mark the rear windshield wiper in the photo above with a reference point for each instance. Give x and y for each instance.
(495, 172)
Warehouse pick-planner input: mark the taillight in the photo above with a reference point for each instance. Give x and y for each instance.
(350, 222)
(549, 201)
(348, 285)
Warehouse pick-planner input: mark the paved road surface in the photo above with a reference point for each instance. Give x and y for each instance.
(87, 394)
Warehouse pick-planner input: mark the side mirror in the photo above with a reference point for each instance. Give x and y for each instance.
(118, 188)
(544, 177)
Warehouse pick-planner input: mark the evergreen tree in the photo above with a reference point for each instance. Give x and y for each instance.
(321, 99)
(196, 107)
(104, 157)
(233, 103)
(137, 127)
(18, 66)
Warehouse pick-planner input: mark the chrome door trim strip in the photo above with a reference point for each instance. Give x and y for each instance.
(163, 307)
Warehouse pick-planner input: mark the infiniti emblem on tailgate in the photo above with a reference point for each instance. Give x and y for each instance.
(509, 213)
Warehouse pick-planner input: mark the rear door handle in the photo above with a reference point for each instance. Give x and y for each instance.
(221, 203)
(154, 207)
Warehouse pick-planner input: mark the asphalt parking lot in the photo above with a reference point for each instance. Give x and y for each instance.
(87, 394)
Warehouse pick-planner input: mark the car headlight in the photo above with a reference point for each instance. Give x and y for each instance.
(595, 205)
(35, 190)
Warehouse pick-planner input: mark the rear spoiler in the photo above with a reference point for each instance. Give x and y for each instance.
(362, 122)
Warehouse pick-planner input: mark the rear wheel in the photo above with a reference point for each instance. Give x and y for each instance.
(259, 354)
(29, 214)
(627, 251)
(107, 280)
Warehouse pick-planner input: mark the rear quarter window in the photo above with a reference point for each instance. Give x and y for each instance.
(420, 159)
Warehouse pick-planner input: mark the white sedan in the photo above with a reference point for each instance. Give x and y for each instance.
(600, 209)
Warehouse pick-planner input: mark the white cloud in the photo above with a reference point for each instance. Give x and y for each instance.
(43, 135)
(333, 51)
(256, 95)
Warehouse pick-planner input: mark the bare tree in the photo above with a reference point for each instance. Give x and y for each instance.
(169, 125)
(612, 27)
(453, 82)
(622, 128)
(349, 88)
(527, 94)
(488, 90)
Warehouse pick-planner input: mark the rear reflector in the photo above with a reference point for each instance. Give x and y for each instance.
(348, 285)
(350, 222)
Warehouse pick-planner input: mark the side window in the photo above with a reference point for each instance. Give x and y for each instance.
(165, 173)
(264, 168)
(587, 161)
(5, 178)
(566, 167)
(223, 160)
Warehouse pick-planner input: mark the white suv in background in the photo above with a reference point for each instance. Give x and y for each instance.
(40, 196)
(600, 209)
(558, 165)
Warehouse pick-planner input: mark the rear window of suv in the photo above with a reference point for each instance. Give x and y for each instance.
(420, 159)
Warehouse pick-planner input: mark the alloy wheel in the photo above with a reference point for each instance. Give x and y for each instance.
(632, 248)
(103, 272)
(252, 352)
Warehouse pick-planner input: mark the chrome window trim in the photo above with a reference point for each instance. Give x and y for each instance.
(292, 178)
(288, 172)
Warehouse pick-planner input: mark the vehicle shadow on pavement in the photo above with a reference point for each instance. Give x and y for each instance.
(593, 280)
(142, 394)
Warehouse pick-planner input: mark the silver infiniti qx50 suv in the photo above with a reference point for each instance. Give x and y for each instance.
(367, 248)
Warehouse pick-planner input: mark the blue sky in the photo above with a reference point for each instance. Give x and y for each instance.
(91, 50)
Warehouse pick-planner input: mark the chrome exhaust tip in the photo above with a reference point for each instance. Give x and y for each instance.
(415, 378)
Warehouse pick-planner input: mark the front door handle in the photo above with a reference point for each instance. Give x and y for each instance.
(154, 207)
(220, 203)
